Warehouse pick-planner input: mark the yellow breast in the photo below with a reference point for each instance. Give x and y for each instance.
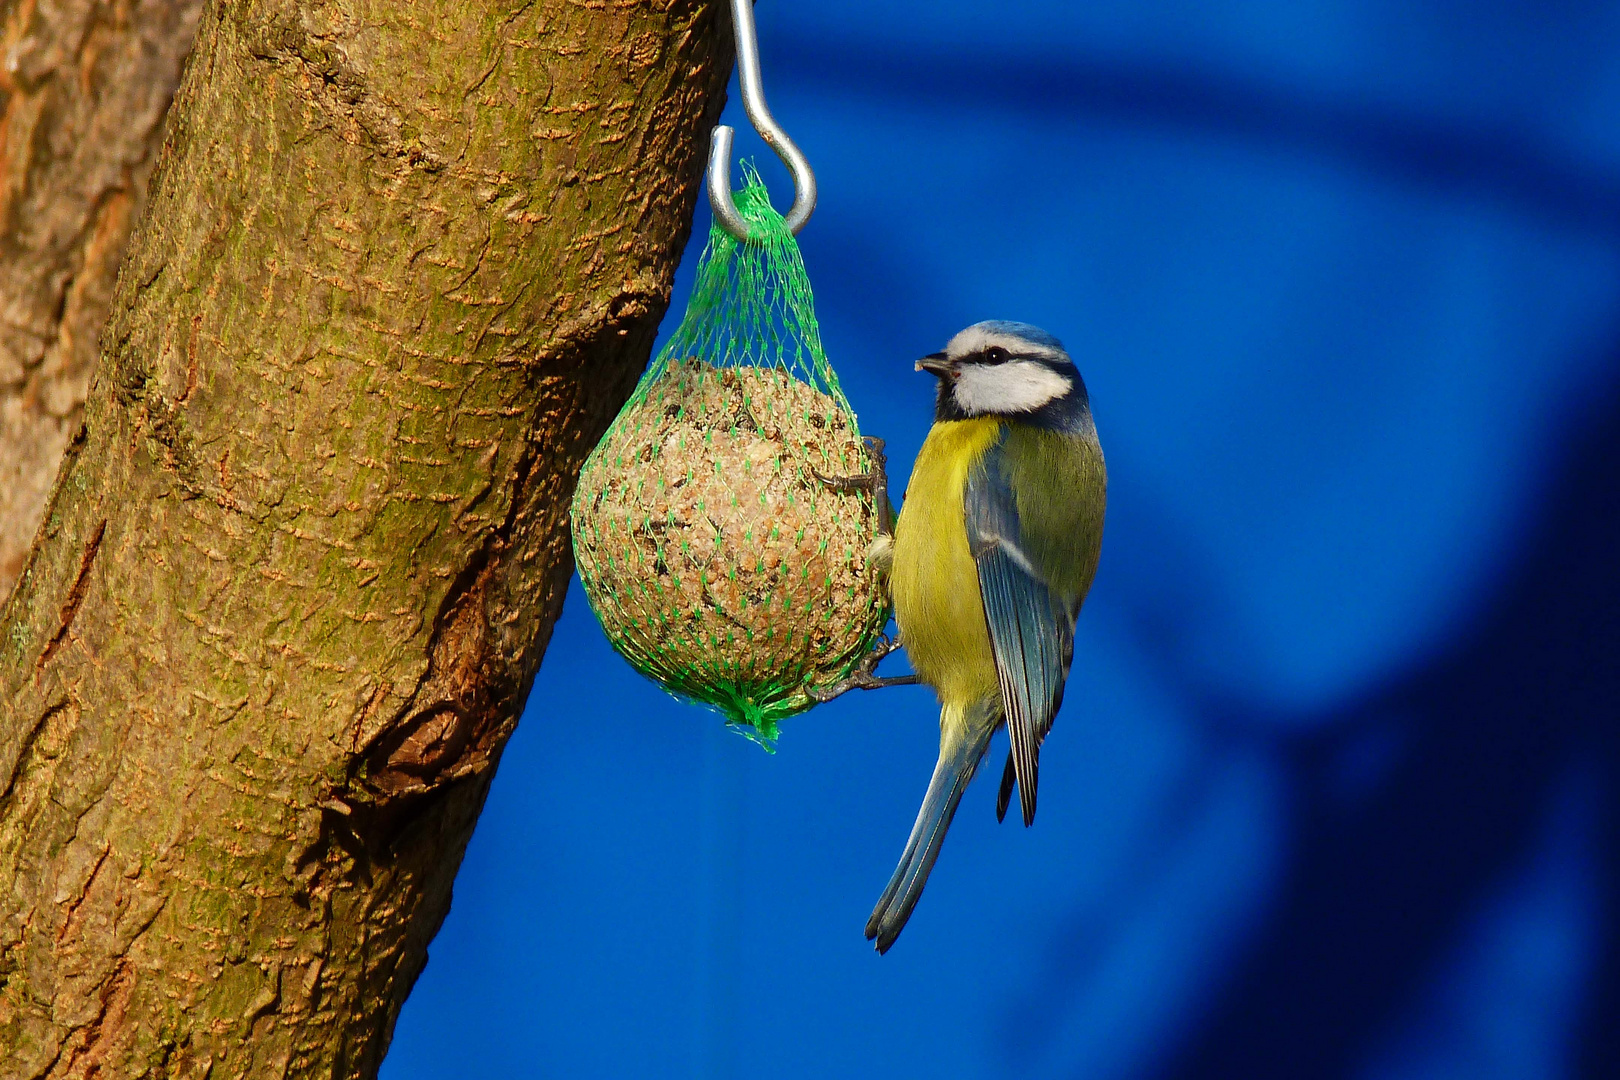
(934, 581)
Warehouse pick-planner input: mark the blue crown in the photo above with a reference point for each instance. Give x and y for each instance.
(1032, 334)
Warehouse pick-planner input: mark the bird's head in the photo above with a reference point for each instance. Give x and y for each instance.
(1007, 369)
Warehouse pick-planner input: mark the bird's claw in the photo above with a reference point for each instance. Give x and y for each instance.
(875, 480)
(861, 677)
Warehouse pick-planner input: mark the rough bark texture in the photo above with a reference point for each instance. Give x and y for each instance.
(84, 87)
(401, 262)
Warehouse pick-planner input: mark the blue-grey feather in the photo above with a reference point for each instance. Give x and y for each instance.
(952, 774)
(1031, 631)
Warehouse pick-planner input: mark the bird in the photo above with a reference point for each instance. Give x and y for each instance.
(995, 548)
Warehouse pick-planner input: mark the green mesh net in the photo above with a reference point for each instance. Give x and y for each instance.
(716, 557)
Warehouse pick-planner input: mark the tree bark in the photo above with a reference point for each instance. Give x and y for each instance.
(401, 263)
(84, 87)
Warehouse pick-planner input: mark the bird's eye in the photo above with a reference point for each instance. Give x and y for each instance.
(995, 354)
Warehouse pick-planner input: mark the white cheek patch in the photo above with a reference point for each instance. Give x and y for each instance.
(1016, 387)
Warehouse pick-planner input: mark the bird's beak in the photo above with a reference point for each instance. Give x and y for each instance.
(936, 364)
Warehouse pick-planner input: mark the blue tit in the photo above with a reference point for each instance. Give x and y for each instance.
(994, 552)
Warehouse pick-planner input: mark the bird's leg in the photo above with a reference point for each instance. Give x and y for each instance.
(880, 554)
(861, 677)
(874, 480)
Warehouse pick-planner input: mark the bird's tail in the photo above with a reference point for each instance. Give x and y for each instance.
(963, 741)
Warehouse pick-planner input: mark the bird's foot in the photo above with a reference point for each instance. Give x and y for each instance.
(861, 677)
(875, 481)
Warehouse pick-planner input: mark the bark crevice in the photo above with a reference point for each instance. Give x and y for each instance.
(75, 596)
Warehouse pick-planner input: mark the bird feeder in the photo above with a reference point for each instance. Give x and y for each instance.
(715, 540)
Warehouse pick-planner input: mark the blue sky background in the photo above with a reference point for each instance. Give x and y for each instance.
(1333, 792)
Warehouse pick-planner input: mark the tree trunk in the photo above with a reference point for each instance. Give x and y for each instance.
(84, 87)
(401, 263)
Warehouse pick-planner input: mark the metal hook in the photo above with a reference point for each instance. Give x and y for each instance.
(753, 95)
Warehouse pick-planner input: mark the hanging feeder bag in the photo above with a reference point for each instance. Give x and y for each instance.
(716, 557)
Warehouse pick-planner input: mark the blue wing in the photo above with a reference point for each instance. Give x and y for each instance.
(1031, 629)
